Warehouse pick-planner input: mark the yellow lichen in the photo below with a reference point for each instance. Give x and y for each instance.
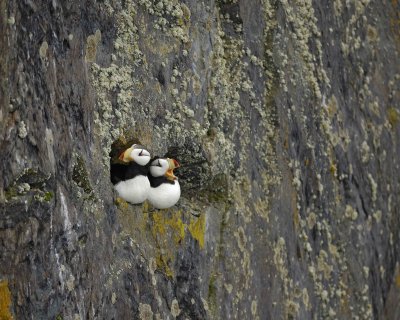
(168, 233)
(333, 169)
(162, 262)
(121, 203)
(197, 229)
(5, 301)
(161, 223)
(398, 281)
(393, 116)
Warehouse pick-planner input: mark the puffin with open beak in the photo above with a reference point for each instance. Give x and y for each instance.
(165, 190)
(129, 174)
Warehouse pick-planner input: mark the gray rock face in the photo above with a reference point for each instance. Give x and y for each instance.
(285, 118)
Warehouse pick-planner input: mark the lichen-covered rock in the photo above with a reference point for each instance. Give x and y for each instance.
(285, 118)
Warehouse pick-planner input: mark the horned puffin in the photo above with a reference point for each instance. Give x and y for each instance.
(129, 174)
(165, 190)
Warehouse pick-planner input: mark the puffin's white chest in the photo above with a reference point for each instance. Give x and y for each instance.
(165, 195)
(134, 190)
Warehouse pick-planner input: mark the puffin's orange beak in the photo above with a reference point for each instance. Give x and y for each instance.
(126, 155)
(176, 163)
(173, 164)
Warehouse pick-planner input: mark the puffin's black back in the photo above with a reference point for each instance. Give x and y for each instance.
(156, 181)
(122, 172)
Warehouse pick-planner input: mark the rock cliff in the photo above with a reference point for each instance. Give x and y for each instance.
(285, 117)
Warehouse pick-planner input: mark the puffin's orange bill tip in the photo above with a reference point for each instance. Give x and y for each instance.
(173, 164)
(176, 163)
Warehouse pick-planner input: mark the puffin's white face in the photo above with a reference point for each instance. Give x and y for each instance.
(140, 156)
(159, 167)
(137, 154)
(164, 167)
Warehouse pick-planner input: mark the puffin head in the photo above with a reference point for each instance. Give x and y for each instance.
(137, 154)
(164, 167)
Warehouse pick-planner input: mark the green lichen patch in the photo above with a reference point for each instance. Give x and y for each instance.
(173, 17)
(212, 293)
(44, 196)
(11, 193)
(91, 46)
(218, 189)
(30, 182)
(81, 177)
(115, 84)
(34, 177)
(113, 81)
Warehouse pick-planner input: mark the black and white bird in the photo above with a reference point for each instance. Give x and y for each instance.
(129, 174)
(165, 190)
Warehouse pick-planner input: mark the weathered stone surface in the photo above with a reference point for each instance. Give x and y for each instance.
(285, 118)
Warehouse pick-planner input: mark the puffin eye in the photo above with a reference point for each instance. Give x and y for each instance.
(159, 164)
(141, 152)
